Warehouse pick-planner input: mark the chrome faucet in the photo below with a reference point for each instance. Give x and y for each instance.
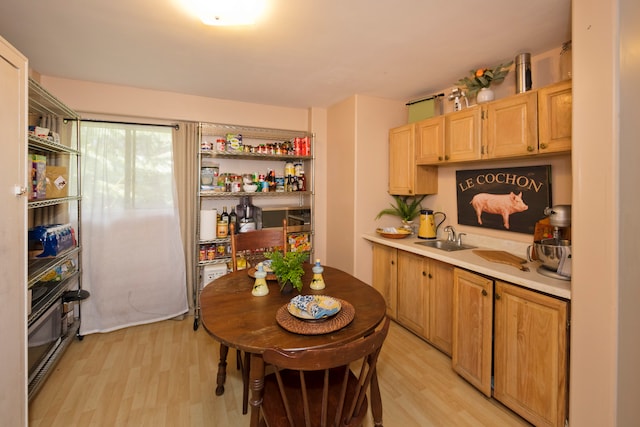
(452, 233)
(459, 240)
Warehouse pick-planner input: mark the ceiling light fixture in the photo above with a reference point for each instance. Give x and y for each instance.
(226, 12)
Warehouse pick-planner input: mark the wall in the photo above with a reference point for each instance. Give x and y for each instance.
(374, 118)
(445, 201)
(358, 179)
(605, 378)
(96, 100)
(341, 135)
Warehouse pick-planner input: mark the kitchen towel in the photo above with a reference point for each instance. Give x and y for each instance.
(208, 223)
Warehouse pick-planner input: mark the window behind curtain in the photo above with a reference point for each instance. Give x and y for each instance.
(142, 180)
(133, 256)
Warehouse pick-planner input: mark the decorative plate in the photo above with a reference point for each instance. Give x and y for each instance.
(393, 233)
(313, 307)
(304, 327)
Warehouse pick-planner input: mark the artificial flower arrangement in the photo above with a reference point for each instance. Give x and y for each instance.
(483, 78)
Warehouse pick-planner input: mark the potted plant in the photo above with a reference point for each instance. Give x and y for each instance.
(482, 78)
(288, 268)
(407, 208)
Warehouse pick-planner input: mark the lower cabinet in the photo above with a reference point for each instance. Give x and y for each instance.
(385, 271)
(471, 354)
(530, 360)
(523, 334)
(418, 292)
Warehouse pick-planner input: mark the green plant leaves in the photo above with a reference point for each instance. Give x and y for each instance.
(406, 208)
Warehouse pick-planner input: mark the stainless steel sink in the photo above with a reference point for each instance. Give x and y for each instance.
(445, 245)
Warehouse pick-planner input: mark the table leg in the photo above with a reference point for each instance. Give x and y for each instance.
(222, 370)
(376, 400)
(256, 376)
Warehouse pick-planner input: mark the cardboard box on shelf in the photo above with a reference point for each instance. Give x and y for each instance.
(57, 182)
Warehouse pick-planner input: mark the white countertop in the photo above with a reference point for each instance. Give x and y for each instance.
(468, 260)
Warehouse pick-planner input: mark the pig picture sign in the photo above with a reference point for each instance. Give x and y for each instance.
(509, 199)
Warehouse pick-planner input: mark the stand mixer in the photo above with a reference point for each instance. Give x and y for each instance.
(555, 253)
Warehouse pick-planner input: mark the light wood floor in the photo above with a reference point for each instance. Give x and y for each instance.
(163, 374)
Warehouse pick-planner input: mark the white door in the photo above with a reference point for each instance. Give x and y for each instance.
(13, 240)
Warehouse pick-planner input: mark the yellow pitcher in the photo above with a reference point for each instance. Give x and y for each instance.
(428, 228)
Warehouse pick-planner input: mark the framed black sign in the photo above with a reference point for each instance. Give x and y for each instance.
(511, 199)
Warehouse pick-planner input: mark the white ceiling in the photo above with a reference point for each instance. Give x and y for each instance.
(304, 53)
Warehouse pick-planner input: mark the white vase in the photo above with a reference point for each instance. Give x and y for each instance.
(484, 95)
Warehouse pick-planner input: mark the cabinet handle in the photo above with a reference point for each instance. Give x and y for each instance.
(424, 273)
(484, 292)
(446, 157)
(430, 276)
(440, 158)
(19, 191)
(543, 146)
(497, 296)
(393, 262)
(530, 148)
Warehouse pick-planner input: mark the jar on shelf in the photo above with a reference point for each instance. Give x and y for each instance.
(566, 61)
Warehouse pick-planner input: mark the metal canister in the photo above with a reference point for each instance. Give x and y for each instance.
(523, 72)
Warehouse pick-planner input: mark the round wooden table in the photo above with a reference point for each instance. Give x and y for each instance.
(237, 319)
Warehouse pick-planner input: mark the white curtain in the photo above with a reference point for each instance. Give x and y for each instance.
(133, 258)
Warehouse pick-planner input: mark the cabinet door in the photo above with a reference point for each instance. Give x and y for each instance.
(385, 267)
(413, 292)
(405, 176)
(463, 135)
(472, 328)
(531, 354)
(440, 304)
(430, 141)
(554, 115)
(401, 160)
(13, 229)
(510, 126)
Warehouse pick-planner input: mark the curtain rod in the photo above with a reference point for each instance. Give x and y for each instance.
(176, 126)
(425, 99)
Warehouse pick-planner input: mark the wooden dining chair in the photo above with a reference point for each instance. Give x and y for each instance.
(318, 388)
(252, 241)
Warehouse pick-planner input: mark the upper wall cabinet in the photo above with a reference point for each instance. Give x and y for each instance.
(535, 122)
(406, 177)
(510, 126)
(554, 117)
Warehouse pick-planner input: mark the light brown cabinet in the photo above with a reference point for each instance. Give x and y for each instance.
(430, 141)
(385, 273)
(440, 276)
(554, 117)
(530, 360)
(423, 298)
(471, 353)
(463, 135)
(510, 127)
(527, 347)
(531, 123)
(406, 177)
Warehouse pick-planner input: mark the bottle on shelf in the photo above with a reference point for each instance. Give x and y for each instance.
(224, 216)
(233, 219)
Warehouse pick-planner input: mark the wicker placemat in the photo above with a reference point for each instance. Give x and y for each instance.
(306, 327)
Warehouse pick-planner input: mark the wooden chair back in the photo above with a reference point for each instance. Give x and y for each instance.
(317, 387)
(258, 239)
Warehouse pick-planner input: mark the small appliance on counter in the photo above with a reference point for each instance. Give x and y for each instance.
(554, 252)
(428, 228)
